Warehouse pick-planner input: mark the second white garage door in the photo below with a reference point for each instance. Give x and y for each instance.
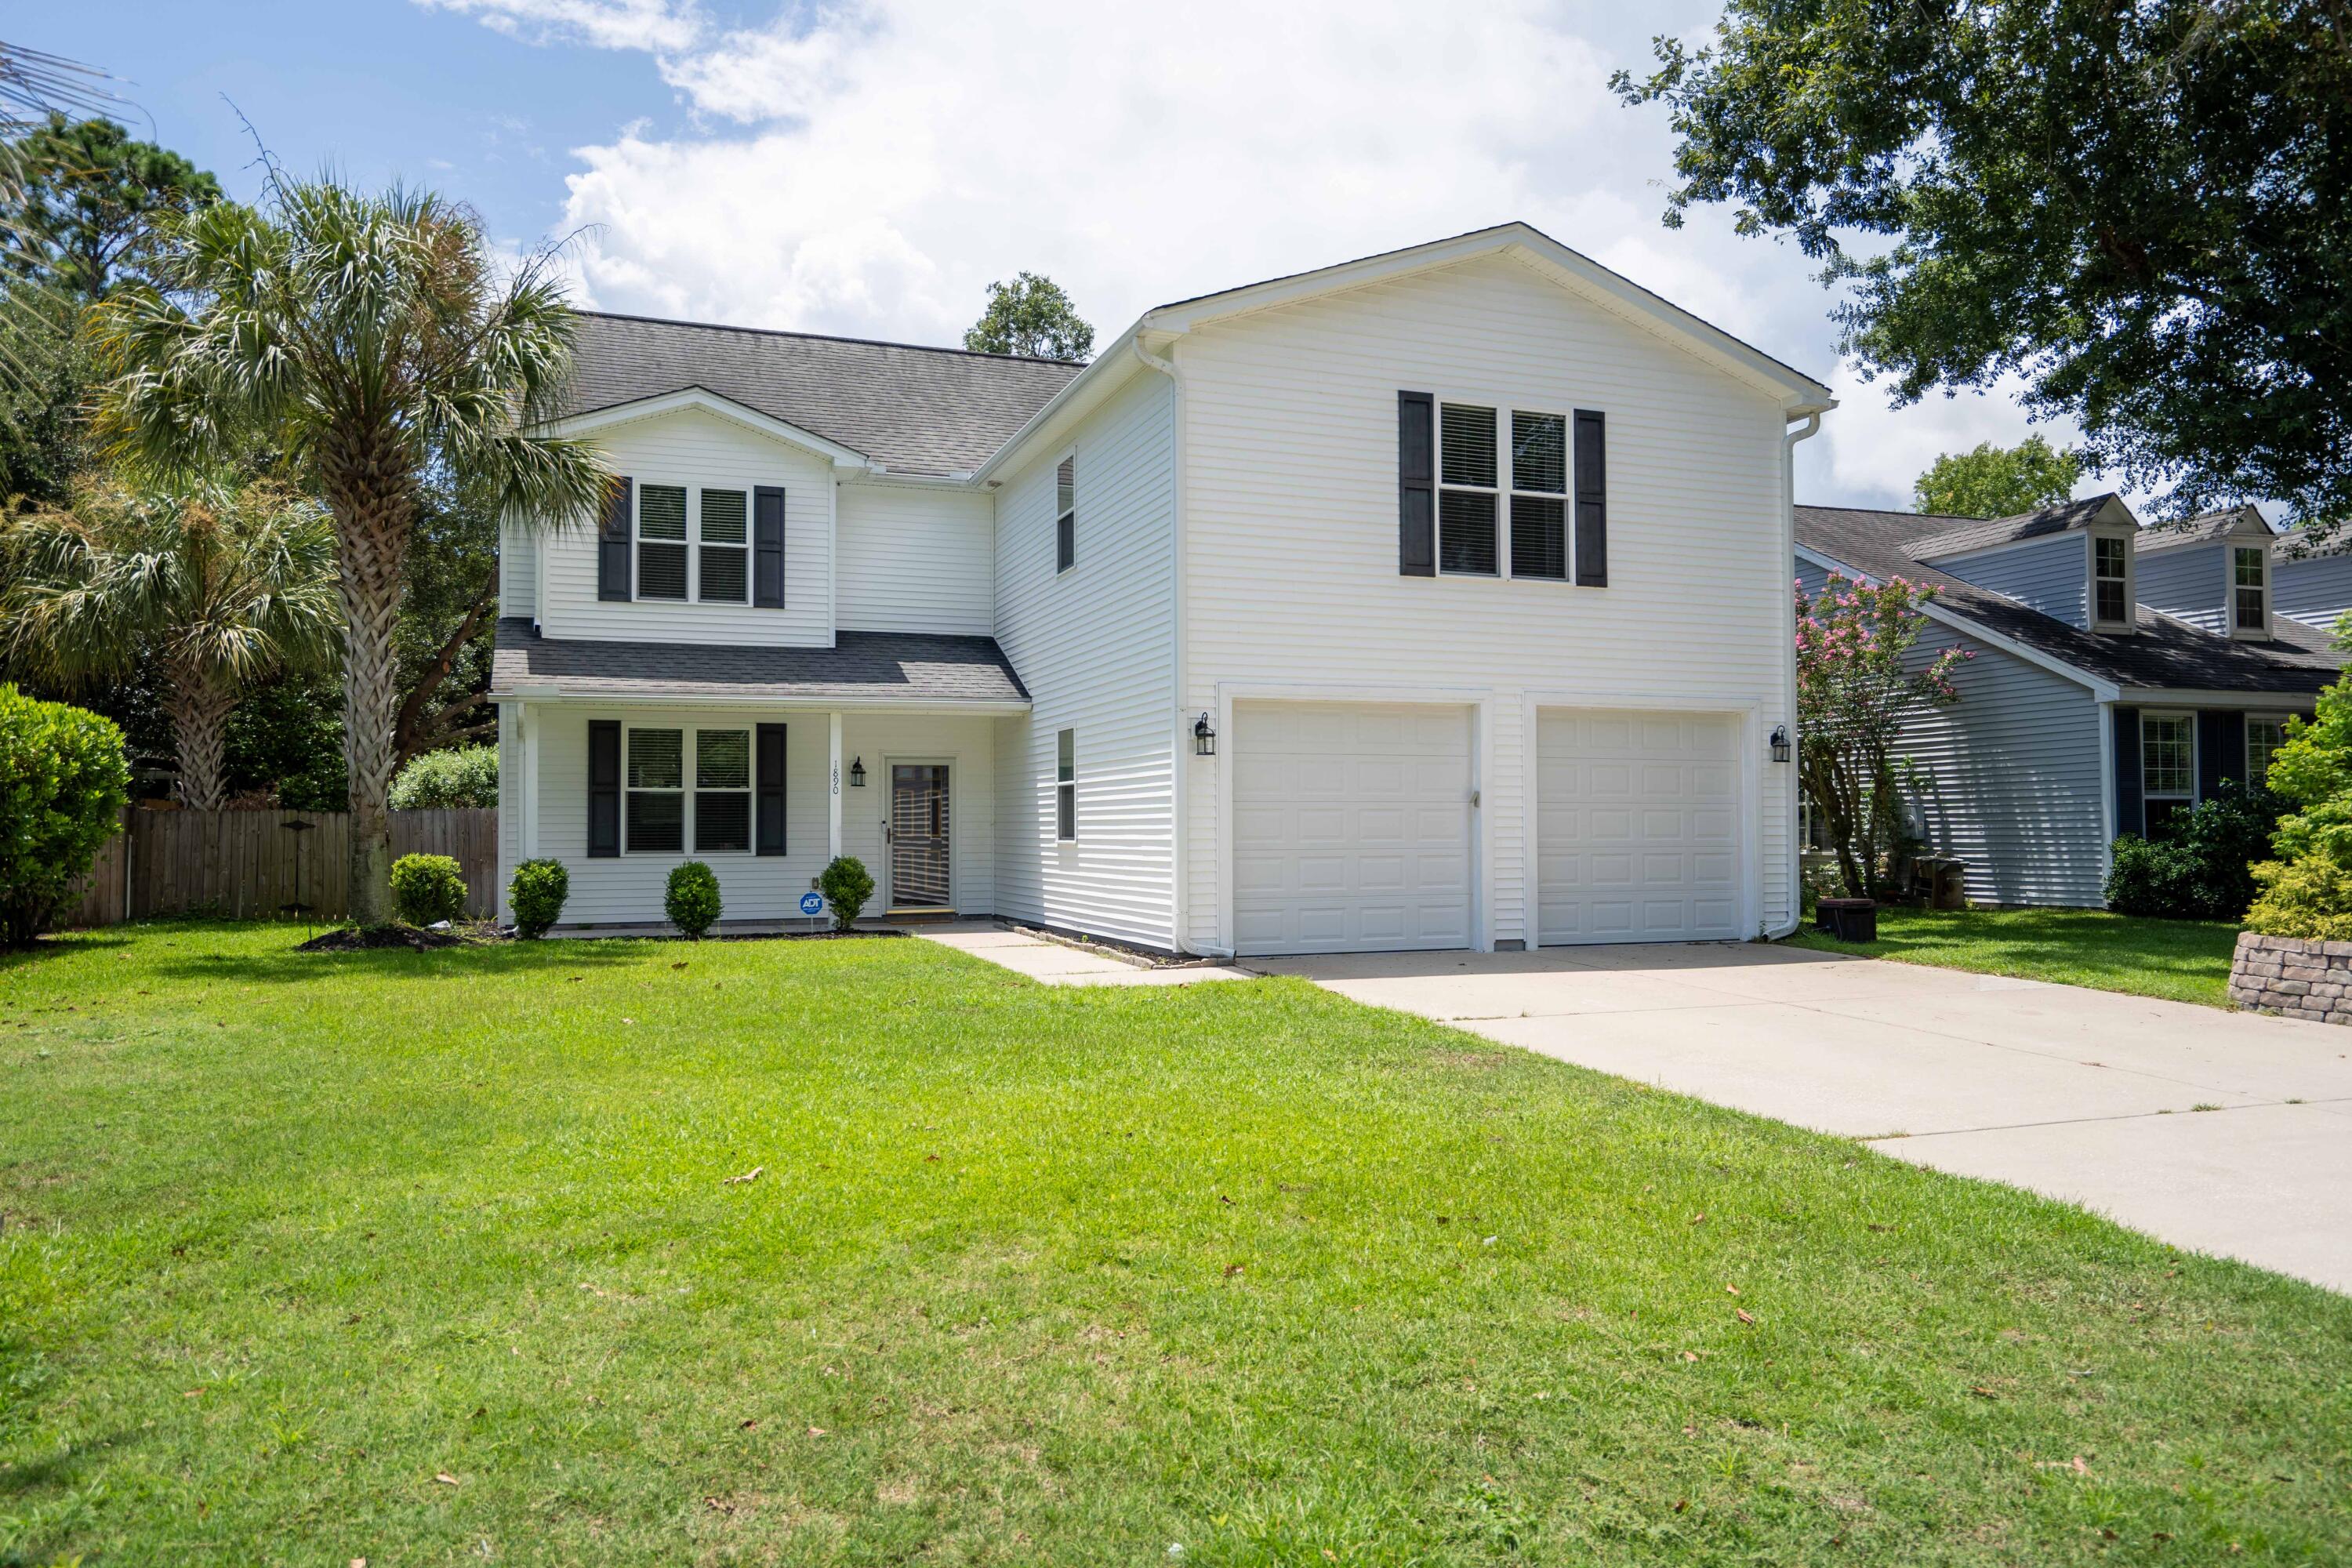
(1351, 828)
(1637, 827)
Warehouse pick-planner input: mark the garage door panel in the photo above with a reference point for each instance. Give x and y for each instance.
(1360, 835)
(1637, 828)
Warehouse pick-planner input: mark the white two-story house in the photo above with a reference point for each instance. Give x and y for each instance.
(1434, 600)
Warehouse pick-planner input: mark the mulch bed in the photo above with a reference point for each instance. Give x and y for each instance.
(377, 939)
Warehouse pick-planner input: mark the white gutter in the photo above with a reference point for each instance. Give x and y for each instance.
(1788, 552)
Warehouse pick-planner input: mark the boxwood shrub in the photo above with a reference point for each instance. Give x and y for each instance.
(536, 894)
(846, 885)
(426, 889)
(692, 900)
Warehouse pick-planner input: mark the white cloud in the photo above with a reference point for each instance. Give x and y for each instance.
(1869, 454)
(650, 25)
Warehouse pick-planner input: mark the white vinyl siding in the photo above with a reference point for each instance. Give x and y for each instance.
(1291, 543)
(694, 450)
(1094, 646)
(2050, 574)
(916, 559)
(517, 570)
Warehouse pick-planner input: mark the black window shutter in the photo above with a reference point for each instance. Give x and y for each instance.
(2221, 750)
(768, 547)
(612, 542)
(2128, 764)
(1416, 479)
(769, 780)
(1592, 501)
(604, 788)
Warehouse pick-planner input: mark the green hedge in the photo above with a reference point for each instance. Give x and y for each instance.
(466, 775)
(64, 781)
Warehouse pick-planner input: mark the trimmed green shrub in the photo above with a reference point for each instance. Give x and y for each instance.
(692, 900)
(846, 885)
(537, 895)
(2310, 897)
(64, 781)
(2200, 869)
(465, 775)
(426, 889)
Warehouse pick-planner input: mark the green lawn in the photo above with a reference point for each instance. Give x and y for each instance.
(430, 1258)
(2184, 960)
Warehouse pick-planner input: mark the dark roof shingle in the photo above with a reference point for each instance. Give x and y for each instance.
(2162, 653)
(860, 667)
(1988, 533)
(915, 410)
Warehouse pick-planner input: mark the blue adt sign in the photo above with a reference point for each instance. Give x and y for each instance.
(811, 903)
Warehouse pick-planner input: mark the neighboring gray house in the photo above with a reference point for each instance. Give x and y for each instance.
(2119, 675)
(2311, 583)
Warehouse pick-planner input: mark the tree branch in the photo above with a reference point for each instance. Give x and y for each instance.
(411, 733)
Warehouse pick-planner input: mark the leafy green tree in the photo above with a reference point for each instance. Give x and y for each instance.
(1031, 316)
(448, 609)
(2137, 208)
(1996, 482)
(219, 586)
(368, 339)
(92, 201)
(63, 784)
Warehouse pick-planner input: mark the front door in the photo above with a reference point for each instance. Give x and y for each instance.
(918, 836)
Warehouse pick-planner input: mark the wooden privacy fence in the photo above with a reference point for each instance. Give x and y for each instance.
(269, 865)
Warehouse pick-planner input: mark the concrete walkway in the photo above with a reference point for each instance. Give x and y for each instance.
(2220, 1132)
(1058, 963)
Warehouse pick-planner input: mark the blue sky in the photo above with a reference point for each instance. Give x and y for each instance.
(868, 167)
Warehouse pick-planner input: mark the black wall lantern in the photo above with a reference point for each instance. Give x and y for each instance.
(1780, 742)
(1205, 739)
(858, 773)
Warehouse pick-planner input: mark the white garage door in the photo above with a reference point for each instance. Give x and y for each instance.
(1637, 827)
(1351, 828)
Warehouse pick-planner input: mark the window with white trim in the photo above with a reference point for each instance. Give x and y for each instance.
(2249, 588)
(2265, 733)
(1065, 514)
(2111, 580)
(2168, 767)
(1539, 495)
(661, 542)
(655, 813)
(1467, 491)
(1065, 784)
(722, 564)
(722, 791)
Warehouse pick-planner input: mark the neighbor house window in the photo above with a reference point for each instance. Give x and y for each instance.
(2168, 767)
(722, 564)
(722, 791)
(2249, 587)
(1065, 514)
(1466, 490)
(656, 789)
(661, 542)
(2264, 735)
(1065, 784)
(2111, 580)
(1538, 495)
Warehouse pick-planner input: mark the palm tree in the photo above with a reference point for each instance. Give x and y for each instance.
(221, 586)
(367, 340)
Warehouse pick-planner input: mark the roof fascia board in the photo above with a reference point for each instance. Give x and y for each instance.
(1937, 610)
(612, 698)
(2252, 698)
(1080, 396)
(703, 399)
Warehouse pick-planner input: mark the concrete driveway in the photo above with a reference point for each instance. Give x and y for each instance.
(2220, 1132)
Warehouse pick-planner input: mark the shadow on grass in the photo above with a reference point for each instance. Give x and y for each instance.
(61, 944)
(286, 966)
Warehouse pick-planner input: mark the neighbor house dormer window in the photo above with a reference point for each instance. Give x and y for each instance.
(2250, 590)
(2111, 597)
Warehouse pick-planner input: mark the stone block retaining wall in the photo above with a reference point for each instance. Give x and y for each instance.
(2293, 976)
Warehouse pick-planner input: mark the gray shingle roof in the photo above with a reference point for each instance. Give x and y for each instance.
(1988, 533)
(2162, 653)
(860, 667)
(917, 410)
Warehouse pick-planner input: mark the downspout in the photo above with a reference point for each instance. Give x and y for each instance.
(1788, 643)
(1178, 753)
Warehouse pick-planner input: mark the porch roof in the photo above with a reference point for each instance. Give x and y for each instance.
(861, 670)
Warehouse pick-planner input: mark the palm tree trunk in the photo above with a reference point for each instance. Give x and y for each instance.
(370, 497)
(199, 703)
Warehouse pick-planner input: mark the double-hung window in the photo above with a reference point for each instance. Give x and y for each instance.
(1538, 495)
(722, 791)
(1466, 490)
(723, 557)
(661, 542)
(1065, 514)
(656, 787)
(2249, 588)
(1065, 784)
(2111, 580)
(2265, 733)
(2168, 767)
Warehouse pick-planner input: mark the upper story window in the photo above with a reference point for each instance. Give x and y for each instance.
(722, 558)
(2249, 589)
(1065, 514)
(2111, 604)
(661, 542)
(1466, 490)
(1488, 490)
(1538, 495)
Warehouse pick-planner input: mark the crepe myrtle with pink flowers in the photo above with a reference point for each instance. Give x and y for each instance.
(1858, 680)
